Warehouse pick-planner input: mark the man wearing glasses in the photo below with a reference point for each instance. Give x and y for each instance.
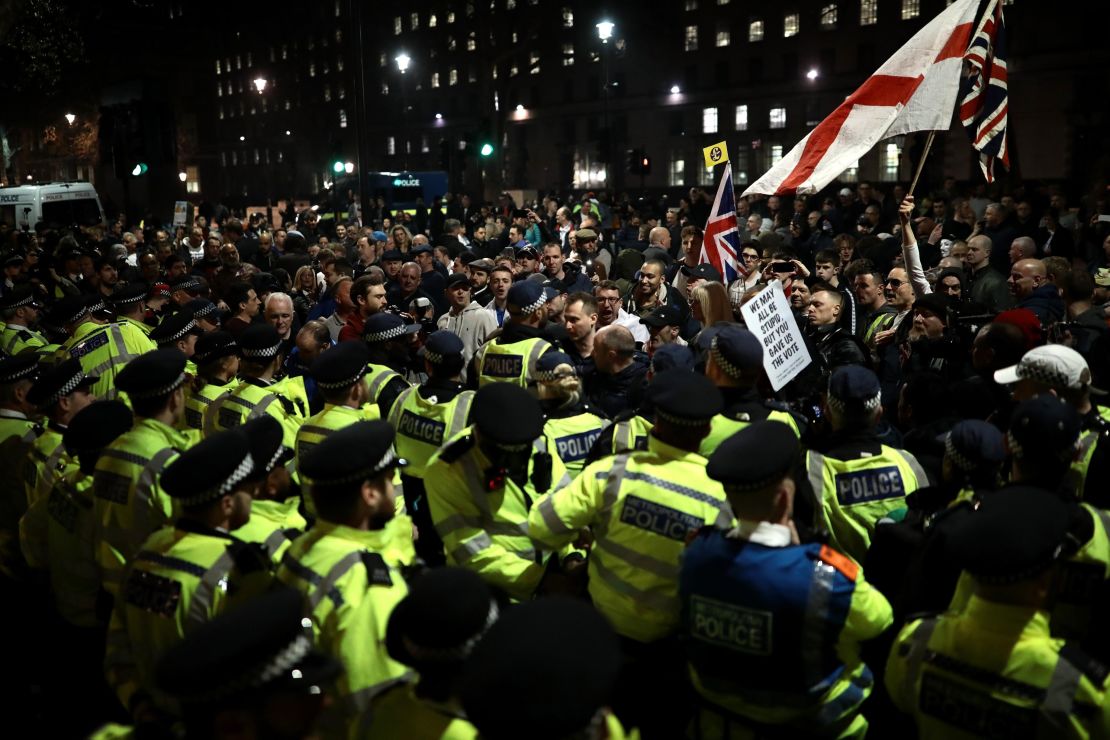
(899, 295)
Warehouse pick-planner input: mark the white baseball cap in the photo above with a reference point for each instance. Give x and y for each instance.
(1053, 365)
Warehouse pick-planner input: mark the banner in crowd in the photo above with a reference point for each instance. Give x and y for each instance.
(914, 90)
(720, 246)
(769, 317)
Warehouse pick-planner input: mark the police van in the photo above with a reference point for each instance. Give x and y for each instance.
(58, 204)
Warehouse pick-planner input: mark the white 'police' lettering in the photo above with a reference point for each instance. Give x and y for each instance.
(865, 486)
(576, 446)
(662, 520)
(421, 429)
(503, 366)
(731, 626)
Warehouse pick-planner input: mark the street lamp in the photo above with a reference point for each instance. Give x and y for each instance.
(605, 31)
(675, 89)
(260, 84)
(811, 75)
(70, 118)
(182, 176)
(403, 60)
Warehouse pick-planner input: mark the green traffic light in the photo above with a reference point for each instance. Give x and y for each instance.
(486, 150)
(139, 169)
(337, 167)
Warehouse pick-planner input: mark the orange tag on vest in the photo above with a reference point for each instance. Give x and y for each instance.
(842, 563)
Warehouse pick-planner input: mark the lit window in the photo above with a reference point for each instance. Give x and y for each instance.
(533, 63)
(910, 9)
(397, 26)
(868, 12)
(381, 59)
(722, 2)
(218, 67)
(741, 118)
(891, 157)
(778, 118)
(221, 113)
(435, 79)
(238, 62)
(450, 16)
(723, 35)
(740, 164)
(676, 175)
(342, 118)
(776, 154)
(828, 16)
(515, 38)
(568, 55)
(790, 25)
(390, 145)
(312, 69)
(452, 76)
(691, 38)
(385, 88)
(451, 43)
(755, 31)
(284, 51)
(513, 70)
(471, 75)
(192, 180)
(339, 65)
(493, 71)
(691, 5)
(250, 60)
(851, 174)
(471, 42)
(424, 148)
(509, 5)
(414, 21)
(341, 93)
(568, 18)
(219, 90)
(432, 21)
(327, 93)
(709, 120)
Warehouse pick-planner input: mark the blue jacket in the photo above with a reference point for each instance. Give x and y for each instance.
(1045, 301)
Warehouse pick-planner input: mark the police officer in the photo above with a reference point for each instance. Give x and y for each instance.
(571, 422)
(735, 364)
(184, 575)
(854, 479)
(129, 302)
(390, 339)
(60, 393)
(433, 630)
(252, 670)
(340, 375)
(348, 564)
(511, 356)
(641, 507)
(571, 658)
(425, 417)
(257, 394)
(130, 503)
(181, 331)
(204, 313)
(103, 347)
(995, 663)
(482, 485)
(216, 355)
(18, 430)
(754, 655)
(66, 552)
(20, 314)
(276, 519)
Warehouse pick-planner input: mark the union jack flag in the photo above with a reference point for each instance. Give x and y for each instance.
(984, 97)
(721, 245)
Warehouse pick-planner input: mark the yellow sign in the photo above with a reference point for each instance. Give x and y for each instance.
(715, 154)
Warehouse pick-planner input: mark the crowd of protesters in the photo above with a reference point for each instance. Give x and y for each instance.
(510, 419)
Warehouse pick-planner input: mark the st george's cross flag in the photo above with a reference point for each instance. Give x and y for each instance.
(721, 245)
(984, 97)
(914, 90)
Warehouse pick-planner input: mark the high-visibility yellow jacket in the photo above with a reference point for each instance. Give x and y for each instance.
(423, 425)
(273, 525)
(641, 507)
(15, 339)
(104, 350)
(198, 401)
(249, 400)
(512, 362)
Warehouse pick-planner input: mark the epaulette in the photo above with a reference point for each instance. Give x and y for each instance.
(287, 404)
(457, 449)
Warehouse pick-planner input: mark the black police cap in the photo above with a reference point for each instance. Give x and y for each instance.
(1015, 534)
(441, 620)
(672, 356)
(214, 345)
(972, 444)
(854, 388)
(259, 343)
(351, 455)
(507, 415)
(23, 366)
(67, 310)
(1044, 427)
(548, 366)
(202, 308)
(59, 381)
(265, 435)
(95, 304)
(684, 398)
(760, 455)
(384, 326)
(548, 641)
(128, 295)
(736, 350)
(341, 366)
(156, 373)
(175, 328)
(17, 297)
(442, 346)
(210, 469)
(96, 426)
(263, 645)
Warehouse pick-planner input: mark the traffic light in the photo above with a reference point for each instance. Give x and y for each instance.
(486, 150)
(139, 169)
(639, 163)
(645, 165)
(337, 166)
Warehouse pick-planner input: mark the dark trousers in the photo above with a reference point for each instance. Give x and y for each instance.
(429, 547)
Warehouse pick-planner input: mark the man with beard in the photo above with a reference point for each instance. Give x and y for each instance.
(479, 281)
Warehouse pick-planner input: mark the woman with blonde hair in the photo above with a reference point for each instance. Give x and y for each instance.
(571, 423)
(709, 304)
(306, 291)
(400, 239)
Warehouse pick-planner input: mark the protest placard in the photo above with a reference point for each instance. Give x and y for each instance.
(769, 317)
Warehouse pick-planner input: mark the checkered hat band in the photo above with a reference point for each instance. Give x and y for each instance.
(535, 305)
(959, 459)
(342, 383)
(68, 387)
(722, 362)
(261, 353)
(868, 405)
(202, 358)
(27, 300)
(385, 336)
(273, 461)
(98, 306)
(1044, 374)
(264, 673)
(457, 652)
(24, 373)
(158, 391)
(682, 421)
(245, 468)
(433, 357)
(181, 333)
(123, 301)
(77, 316)
(205, 311)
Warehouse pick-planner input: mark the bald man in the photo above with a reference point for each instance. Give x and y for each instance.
(1029, 285)
(620, 371)
(988, 285)
(1022, 248)
(660, 237)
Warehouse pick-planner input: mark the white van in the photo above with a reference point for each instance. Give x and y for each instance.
(56, 203)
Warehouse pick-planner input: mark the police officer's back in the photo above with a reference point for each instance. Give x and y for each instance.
(390, 338)
(994, 666)
(216, 355)
(756, 656)
(574, 424)
(511, 357)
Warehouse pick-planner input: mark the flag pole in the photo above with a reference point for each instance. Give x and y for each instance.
(921, 162)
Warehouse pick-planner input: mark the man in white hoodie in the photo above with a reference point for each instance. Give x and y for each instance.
(465, 318)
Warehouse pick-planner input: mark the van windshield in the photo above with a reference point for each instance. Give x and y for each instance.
(81, 211)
